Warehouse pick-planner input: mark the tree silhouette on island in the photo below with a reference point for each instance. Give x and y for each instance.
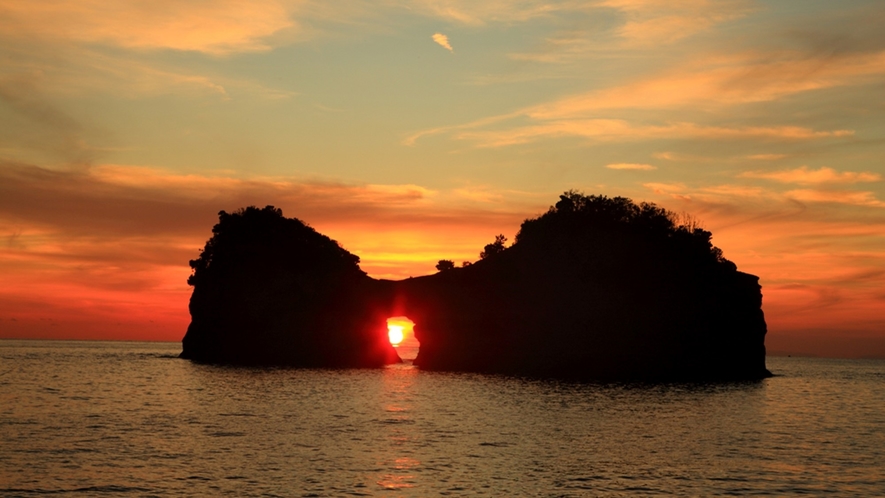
(445, 265)
(595, 288)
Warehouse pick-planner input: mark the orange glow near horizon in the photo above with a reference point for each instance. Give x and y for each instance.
(823, 299)
(820, 274)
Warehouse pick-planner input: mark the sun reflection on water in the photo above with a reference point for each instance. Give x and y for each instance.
(400, 464)
(403, 478)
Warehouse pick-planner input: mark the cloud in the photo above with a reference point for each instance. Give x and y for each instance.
(61, 133)
(648, 21)
(95, 247)
(727, 193)
(723, 81)
(836, 196)
(766, 157)
(809, 252)
(682, 157)
(474, 13)
(479, 194)
(618, 130)
(712, 84)
(805, 176)
(70, 215)
(631, 166)
(215, 27)
(635, 26)
(499, 198)
(443, 41)
(131, 200)
(672, 189)
(58, 72)
(651, 22)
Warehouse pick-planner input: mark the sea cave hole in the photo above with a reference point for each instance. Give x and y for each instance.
(401, 332)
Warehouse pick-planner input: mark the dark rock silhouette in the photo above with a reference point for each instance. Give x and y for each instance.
(271, 290)
(596, 288)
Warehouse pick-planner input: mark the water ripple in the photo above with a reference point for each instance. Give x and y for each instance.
(128, 419)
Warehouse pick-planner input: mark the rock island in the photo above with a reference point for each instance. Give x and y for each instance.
(596, 288)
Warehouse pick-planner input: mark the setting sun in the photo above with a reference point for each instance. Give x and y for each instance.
(400, 331)
(395, 333)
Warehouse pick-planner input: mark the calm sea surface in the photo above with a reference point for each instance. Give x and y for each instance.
(130, 419)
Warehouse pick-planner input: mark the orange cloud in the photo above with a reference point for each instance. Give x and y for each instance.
(710, 83)
(479, 194)
(719, 193)
(443, 41)
(216, 27)
(640, 24)
(654, 22)
(821, 266)
(805, 176)
(836, 196)
(622, 130)
(102, 252)
(473, 13)
(631, 166)
(723, 81)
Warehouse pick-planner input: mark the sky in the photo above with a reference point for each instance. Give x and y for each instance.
(415, 131)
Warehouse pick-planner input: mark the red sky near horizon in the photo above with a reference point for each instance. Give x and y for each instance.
(416, 131)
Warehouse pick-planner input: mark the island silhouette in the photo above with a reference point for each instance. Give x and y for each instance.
(596, 288)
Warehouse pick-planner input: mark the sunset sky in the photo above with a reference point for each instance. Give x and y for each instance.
(415, 131)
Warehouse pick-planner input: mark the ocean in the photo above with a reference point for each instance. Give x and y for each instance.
(131, 419)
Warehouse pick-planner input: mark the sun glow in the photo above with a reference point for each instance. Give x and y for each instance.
(400, 331)
(395, 333)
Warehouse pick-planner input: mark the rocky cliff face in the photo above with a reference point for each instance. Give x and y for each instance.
(271, 290)
(596, 288)
(528, 324)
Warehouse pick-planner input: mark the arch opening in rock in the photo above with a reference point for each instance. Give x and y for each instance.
(401, 332)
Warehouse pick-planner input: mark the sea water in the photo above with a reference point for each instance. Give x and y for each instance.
(131, 419)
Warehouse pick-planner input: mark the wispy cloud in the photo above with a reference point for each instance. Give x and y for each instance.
(84, 247)
(805, 176)
(819, 253)
(480, 194)
(725, 192)
(443, 41)
(711, 83)
(723, 81)
(219, 27)
(837, 196)
(638, 25)
(61, 133)
(655, 22)
(612, 130)
(130, 200)
(631, 166)
(472, 13)
(86, 70)
(766, 157)
(113, 202)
